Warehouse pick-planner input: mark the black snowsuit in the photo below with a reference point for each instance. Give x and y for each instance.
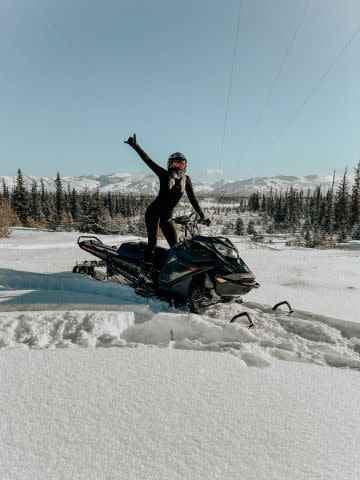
(159, 212)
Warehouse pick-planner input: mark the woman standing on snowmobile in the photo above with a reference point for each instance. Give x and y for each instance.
(173, 183)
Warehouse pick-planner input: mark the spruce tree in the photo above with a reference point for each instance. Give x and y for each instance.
(328, 219)
(342, 208)
(239, 227)
(5, 191)
(46, 207)
(84, 217)
(74, 205)
(34, 202)
(20, 199)
(355, 199)
(250, 228)
(59, 202)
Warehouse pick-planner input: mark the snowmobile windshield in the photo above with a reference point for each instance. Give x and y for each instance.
(225, 250)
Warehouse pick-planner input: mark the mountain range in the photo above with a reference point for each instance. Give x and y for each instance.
(140, 183)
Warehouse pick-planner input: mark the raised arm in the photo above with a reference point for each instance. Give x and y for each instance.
(193, 200)
(145, 157)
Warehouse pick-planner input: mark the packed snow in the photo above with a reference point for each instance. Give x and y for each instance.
(174, 394)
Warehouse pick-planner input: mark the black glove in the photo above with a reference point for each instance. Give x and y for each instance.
(205, 221)
(131, 141)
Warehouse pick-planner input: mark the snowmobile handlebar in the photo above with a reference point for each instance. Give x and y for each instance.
(190, 222)
(192, 218)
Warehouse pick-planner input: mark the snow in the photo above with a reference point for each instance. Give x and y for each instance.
(160, 414)
(325, 282)
(173, 394)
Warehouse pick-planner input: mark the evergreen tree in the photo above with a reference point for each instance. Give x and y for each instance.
(5, 191)
(239, 227)
(328, 220)
(97, 216)
(270, 204)
(356, 232)
(74, 205)
(279, 213)
(46, 206)
(290, 209)
(34, 202)
(20, 199)
(250, 228)
(254, 202)
(342, 207)
(59, 202)
(355, 199)
(110, 204)
(84, 217)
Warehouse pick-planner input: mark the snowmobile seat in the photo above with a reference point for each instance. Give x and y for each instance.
(135, 252)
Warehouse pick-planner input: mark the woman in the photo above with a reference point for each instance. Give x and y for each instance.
(173, 183)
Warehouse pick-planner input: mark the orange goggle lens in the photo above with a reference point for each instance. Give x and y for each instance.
(176, 164)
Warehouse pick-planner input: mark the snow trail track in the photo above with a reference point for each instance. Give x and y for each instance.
(301, 337)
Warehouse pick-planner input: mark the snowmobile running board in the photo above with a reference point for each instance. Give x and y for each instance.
(243, 314)
(284, 303)
(251, 323)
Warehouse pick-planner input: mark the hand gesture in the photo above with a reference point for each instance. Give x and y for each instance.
(131, 141)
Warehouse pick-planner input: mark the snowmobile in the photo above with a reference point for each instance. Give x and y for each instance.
(197, 272)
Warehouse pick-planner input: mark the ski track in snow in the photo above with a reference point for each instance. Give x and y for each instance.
(275, 336)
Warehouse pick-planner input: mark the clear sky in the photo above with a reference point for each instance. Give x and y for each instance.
(78, 76)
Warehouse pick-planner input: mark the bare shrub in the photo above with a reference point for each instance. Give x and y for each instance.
(38, 224)
(7, 218)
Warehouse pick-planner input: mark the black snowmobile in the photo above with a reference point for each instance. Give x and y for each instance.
(198, 271)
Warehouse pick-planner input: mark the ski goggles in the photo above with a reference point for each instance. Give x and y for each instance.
(177, 165)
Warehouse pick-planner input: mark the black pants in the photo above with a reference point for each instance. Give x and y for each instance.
(153, 220)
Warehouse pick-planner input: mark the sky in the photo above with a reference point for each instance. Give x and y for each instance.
(247, 88)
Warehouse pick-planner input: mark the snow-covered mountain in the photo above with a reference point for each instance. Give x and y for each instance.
(139, 182)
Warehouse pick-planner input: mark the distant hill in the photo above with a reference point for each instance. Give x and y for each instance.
(140, 183)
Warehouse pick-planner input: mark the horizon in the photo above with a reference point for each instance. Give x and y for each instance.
(209, 180)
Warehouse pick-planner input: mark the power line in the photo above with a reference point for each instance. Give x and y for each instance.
(278, 73)
(230, 86)
(318, 83)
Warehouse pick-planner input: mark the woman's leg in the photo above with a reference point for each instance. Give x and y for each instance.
(152, 223)
(169, 231)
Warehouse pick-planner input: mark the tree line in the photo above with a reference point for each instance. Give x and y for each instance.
(68, 209)
(333, 213)
(312, 215)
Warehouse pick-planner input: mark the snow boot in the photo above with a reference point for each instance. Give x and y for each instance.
(146, 273)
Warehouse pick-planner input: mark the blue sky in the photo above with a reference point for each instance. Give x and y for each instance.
(77, 77)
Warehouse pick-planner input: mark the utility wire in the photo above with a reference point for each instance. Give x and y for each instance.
(278, 73)
(318, 83)
(230, 86)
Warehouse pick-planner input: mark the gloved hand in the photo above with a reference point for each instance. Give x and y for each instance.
(205, 221)
(131, 141)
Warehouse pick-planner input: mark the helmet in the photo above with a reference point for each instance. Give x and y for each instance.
(177, 163)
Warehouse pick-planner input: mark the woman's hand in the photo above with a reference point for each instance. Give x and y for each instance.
(205, 221)
(131, 141)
